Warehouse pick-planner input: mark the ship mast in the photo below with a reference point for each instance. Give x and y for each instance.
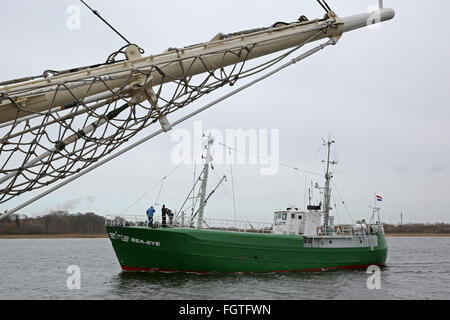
(204, 182)
(328, 177)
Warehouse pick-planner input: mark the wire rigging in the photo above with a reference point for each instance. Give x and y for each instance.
(324, 5)
(160, 183)
(239, 209)
(40, 151)
(232, 186)
(342, 201)
(160, 190)
(106, 22)
(115, 126)
(270, 161)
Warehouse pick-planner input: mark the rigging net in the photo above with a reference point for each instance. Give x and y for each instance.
(40, 147)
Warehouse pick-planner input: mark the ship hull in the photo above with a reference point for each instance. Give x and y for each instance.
(141, 249)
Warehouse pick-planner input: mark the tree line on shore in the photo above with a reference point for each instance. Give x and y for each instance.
(62, 222)
(418, 228)
(55, 223)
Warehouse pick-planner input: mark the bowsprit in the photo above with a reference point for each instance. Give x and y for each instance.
(63, 124)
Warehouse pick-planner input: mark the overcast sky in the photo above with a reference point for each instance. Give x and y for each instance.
(382, 94)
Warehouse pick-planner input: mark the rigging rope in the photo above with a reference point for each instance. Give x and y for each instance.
(106, 22)
(343, 202)
(160, 183)
(88, 168)
(38, 152)
(235, 201)
(160, 190)
(232, 187)
(272, 162)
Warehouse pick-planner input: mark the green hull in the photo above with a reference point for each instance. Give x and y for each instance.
(199, 251)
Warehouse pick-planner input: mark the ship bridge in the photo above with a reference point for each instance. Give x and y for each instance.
(293, 221)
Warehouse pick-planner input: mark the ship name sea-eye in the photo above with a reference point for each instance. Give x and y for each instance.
(127, 239)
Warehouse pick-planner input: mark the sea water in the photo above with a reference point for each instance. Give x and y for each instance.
(417, 268)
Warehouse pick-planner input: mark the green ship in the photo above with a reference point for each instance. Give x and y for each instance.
(295, 241)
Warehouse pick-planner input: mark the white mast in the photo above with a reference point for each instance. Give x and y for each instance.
(327, 193)
(205, 182)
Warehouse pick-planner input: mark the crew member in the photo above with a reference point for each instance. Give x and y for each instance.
(171, 216)
(164, 216)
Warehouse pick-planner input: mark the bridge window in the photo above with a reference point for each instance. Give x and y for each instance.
(293, 216)
(300, 217)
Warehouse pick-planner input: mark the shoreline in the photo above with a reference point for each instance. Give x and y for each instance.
(54, 236)
(394, 235)
(105, 236)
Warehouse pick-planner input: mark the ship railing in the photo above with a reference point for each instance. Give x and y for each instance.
(126, 221)
(208, 224)
(134, 221)
(350, 230)
(235, 226)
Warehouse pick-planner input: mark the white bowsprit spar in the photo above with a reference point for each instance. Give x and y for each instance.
(41, 141)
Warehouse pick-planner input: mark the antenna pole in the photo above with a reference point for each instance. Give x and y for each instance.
(375, 201)
(328, 176)
(205, 183)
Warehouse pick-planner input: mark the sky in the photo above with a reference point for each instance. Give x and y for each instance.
(381, 94)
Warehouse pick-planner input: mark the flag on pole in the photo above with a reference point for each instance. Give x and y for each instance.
(379, 199)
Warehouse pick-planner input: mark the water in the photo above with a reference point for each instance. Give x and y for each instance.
(418, 268)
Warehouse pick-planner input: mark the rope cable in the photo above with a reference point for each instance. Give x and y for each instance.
(273, 162)
(343, 202)
(106, 22)
(232, 187)
(160, 183)
(114, 121)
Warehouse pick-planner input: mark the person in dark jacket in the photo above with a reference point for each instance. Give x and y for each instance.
(164, 216)
(171, 216)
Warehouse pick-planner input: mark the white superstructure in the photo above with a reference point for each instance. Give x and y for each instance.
(293, 221)
(326, 234)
